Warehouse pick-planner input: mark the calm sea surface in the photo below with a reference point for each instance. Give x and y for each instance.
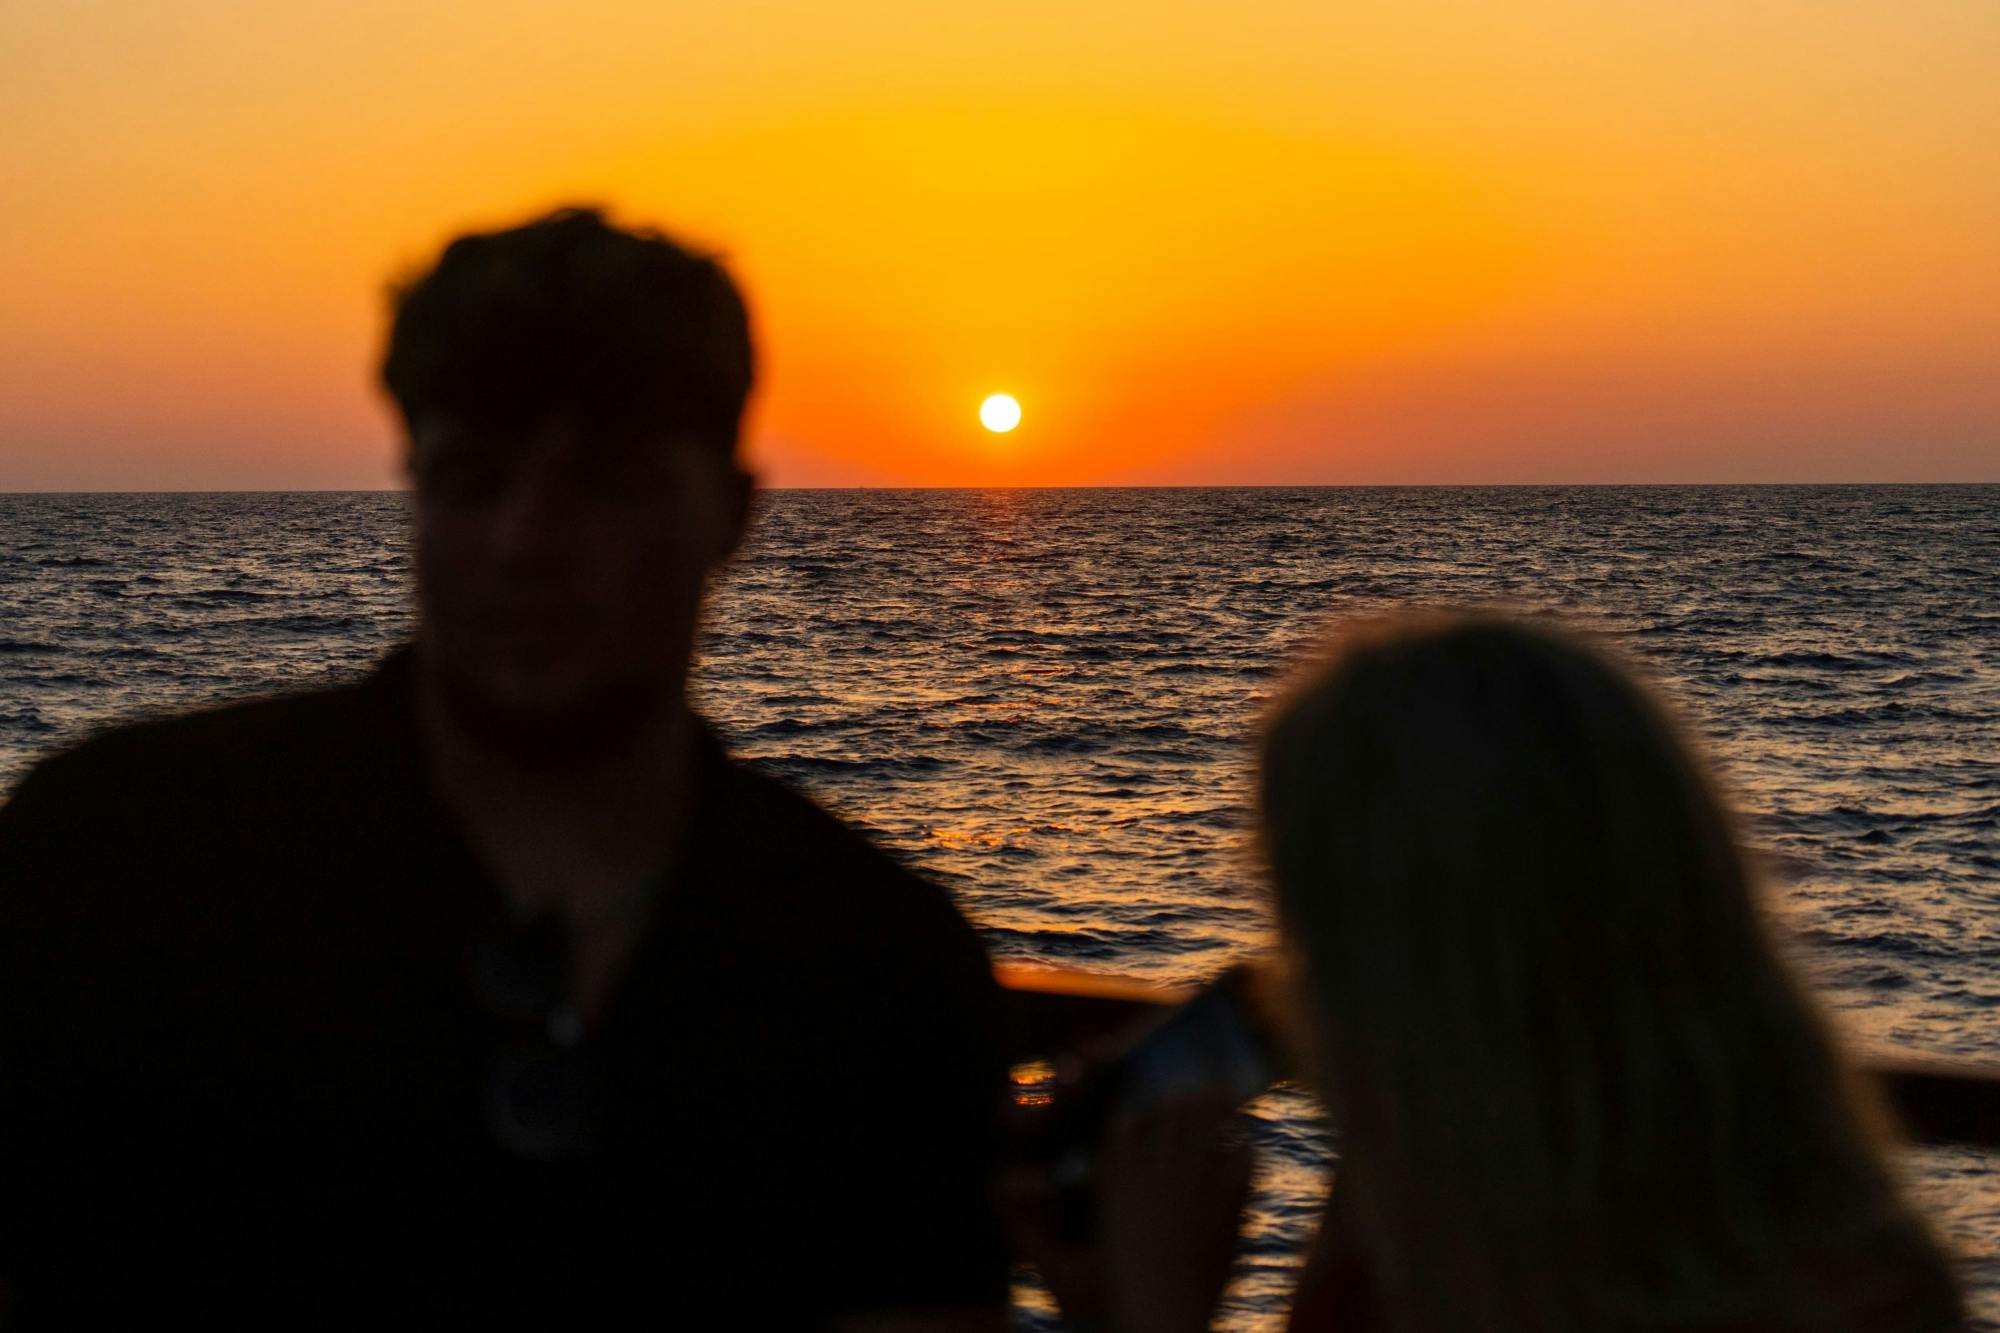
(1042, 698)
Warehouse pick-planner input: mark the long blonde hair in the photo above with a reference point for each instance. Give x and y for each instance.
(1576, 1087)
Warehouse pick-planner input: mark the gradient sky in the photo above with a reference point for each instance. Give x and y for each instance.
(1706, 240)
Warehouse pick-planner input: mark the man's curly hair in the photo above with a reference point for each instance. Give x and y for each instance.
(621, 330)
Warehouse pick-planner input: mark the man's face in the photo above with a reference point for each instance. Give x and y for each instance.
(560, 572)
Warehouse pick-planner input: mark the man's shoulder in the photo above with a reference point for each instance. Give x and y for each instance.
(149, 851)
(828, 869)
(800, 826)
(227, 758)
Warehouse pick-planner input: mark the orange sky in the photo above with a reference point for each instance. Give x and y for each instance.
(1552, 240)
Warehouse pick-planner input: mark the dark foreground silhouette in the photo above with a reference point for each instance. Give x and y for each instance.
(488, 992)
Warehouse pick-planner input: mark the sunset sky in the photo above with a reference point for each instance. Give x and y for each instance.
(1244, 242)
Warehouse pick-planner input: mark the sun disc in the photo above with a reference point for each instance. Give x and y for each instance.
(1000, 413)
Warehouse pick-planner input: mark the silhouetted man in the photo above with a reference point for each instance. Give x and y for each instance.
(487, 992)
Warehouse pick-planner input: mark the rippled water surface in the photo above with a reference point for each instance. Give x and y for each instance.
(1042, 698)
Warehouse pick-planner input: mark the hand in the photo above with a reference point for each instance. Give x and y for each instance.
(1171, 1186)
(1166, 1199)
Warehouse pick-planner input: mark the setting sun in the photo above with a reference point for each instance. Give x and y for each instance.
(1000, 413)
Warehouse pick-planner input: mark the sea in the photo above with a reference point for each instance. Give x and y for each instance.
(1044, 700)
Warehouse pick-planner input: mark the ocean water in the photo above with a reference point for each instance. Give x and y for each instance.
(1043, 699)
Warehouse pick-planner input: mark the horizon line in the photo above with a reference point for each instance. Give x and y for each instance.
(1089, 486)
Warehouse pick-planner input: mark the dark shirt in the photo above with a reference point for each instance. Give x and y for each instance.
(245, 1076)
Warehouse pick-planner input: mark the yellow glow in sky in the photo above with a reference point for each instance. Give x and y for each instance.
(1558, 240)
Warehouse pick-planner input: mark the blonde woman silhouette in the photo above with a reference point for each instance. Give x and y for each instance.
(1575, 1085)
